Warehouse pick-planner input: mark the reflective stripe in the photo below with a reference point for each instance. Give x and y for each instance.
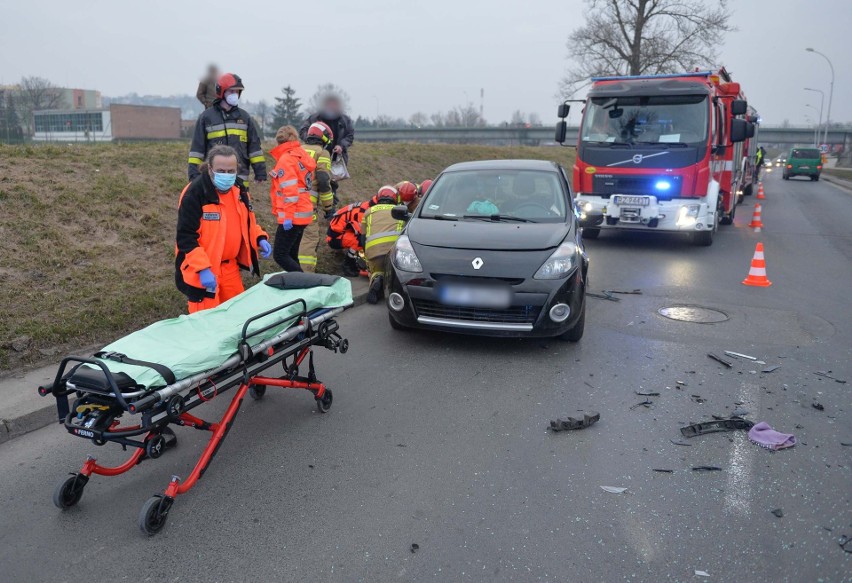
(323, 160)
(223, 133)
(389, 239)
(282, 215)
(306, 215)
(256, 159)
(314, 197)
(193, 160)
(382, 234)
(213, 128)
(327, 196)
(199, 155)
(235, 126)
(308, 259)
(256, 153)
(291, 199)
(289, 182)
(303, 189)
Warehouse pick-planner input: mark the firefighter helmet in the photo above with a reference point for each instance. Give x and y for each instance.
(321, 130)
(226, 82)
(424, 186)
(387, 194)
(407, 191)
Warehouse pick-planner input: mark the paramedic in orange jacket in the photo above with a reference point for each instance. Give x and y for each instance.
(292, 206)
(217, 234)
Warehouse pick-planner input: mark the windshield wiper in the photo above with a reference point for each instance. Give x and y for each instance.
(443, 218)
(666, 144)
(499, 217)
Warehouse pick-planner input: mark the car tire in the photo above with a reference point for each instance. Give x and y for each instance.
(747, 190)
(702, 238)
(816, 178)
(591, 233)
(575, 333)
(729, 220)
(396, 325)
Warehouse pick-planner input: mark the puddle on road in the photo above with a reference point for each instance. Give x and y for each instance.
(694, 314)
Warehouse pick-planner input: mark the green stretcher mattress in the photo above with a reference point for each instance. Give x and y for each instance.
(202, 341)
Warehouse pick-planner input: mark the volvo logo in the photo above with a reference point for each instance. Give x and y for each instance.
(637, 159)
(477, 263)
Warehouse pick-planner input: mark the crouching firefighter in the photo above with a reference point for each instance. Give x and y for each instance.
(217, 234)
(318, 138)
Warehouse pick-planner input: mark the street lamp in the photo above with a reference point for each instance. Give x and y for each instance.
(830, 91)
(821, 103)
(816, 128)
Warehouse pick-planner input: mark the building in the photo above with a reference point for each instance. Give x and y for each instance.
(119, 122)
(79, 99)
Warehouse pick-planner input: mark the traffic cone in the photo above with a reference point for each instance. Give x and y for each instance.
(757, 272)
(756, 223)
(760, 195)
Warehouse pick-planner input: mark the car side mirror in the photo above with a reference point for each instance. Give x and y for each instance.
(562, 110)
(400, 213)
(739, 130)
(739, 107)
(561, 132)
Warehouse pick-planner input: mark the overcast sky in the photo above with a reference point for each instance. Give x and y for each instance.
(397, 57)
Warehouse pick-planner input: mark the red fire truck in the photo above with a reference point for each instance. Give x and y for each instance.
(662, 153)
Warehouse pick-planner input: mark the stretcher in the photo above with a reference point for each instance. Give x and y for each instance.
(132, 391)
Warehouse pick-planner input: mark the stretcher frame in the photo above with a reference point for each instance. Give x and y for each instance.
(158, 408)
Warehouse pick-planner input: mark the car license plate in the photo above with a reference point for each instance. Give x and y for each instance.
(632, 200)
(475, 296)
(804, 167)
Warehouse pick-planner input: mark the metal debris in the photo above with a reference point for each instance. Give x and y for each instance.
(646, 403)
(828, 376)
(740, 355)
(720, 360)
(647, 394)
(663, 471)
(681, 383)
(702, 573)
(706, 469)
(771, 368)
(613, 489)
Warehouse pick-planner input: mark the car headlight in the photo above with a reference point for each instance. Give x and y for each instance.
(404, 257)
(560, 263)
(687, 215)
(586, 207)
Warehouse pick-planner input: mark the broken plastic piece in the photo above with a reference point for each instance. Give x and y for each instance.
(646, 403)
(844, 541)
(706, 469)
(702, 573)
(680, 442)
(828, 376)
(771, 368)
(698, 398)
(604, 296)
(637, 292)
(613, 489)
(720, 360)
(818, 406)
(663, 471)
(414, 548)
(647, 394)
(716, 427)
(570, 423)
(778, 512)
(740, 355)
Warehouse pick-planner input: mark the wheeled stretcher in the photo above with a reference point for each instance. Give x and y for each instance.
(134, 389)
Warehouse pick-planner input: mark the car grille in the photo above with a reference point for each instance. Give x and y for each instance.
(511, 315)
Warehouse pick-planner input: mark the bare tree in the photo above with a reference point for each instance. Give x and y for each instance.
(638, 37)
(418, 119)
(438, 119)
(519, 119)
(327, 90)
(37, 93)
(467, 116)
(262, 111)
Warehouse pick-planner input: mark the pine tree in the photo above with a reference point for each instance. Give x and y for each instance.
(286, 111)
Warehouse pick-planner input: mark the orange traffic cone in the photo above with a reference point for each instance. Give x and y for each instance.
(760, 195)
(756, 223)
(757, 272)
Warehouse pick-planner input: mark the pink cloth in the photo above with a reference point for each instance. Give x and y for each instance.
(764, 436)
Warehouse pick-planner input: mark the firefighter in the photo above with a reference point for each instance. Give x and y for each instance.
(319, 136)
(379, 232)
(291, 181)
(424, 187)
(224, 123)
(217, 233)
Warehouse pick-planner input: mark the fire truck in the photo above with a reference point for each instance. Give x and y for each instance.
(662, 153)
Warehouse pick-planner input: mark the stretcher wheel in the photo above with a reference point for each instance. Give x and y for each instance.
(257, 392)
(152, 517)
(69, 492)
(324, 402)
(344, 346)
(155, 446)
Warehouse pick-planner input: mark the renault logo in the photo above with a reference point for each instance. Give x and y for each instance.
(477, 263)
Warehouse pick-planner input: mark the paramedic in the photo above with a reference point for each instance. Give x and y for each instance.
(318, 138)
(225, 123)
(217, 234)
(379, 232)
(290, 192)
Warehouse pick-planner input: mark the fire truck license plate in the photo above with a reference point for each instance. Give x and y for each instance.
(632, 200)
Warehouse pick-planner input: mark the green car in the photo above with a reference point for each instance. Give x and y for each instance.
(803, 162)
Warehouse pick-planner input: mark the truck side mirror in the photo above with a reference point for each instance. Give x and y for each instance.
(750, 131)
(739, 130)
(562, 111)
(561, 132)
(400, 213)
(739, 107)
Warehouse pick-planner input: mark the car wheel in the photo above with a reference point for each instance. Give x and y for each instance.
(591, 233)
(729, 219)
(576, 331)
(747, 190)
(396, 325)
(816, 178)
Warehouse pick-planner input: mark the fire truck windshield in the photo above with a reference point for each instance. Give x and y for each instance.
(670, 120)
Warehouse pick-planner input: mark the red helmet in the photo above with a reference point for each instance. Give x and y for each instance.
(424, 186)
(321, 130)
(407, 191)
(387, 193)
(228, 81)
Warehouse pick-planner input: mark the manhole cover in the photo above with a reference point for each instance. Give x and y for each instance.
(695, 314)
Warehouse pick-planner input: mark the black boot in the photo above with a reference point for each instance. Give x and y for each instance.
(350, 267)
(376, 290)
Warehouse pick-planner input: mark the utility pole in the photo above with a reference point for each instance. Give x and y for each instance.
(821, 103)
(830, 92)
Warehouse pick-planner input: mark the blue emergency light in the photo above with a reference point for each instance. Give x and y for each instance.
(662, 185)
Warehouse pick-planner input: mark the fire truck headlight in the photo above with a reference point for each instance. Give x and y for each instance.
(687, 215)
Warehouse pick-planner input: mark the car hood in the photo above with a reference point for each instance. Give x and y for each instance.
(486, 235)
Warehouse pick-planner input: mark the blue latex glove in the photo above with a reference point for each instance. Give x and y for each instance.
(287, 224)
(265, 248)
(208, 280)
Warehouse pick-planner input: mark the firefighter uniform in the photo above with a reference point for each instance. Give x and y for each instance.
(380, 232)
(234, 128)
(215, 231)
(322, 200)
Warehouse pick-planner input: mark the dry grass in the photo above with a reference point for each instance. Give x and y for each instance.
(87, 232)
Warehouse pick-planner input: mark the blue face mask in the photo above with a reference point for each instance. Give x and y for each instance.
(223, 181)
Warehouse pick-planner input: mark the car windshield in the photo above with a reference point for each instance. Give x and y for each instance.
(807, 154)
(665, 119)
(497, 195)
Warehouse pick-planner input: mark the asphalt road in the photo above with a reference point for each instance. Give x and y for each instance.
(441, 441)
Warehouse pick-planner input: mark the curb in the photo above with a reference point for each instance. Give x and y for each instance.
(34, 419)
(841, 182)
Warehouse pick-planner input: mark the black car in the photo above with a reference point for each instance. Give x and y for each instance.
(494, 248)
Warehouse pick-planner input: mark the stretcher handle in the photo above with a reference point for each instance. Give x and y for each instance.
(58, 386)
(303, 313)
(144, 403)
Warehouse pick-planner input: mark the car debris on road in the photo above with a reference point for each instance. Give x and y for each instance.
(716, 426)
(572, 423)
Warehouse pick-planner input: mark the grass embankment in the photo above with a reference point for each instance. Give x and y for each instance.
(844, 173)
(87, 233)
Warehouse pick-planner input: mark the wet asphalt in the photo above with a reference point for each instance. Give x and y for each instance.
(440, 441)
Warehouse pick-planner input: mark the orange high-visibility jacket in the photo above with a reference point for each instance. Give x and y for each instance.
(292, 179)
(201, 229)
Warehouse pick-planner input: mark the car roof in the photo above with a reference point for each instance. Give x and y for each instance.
(541, 165)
